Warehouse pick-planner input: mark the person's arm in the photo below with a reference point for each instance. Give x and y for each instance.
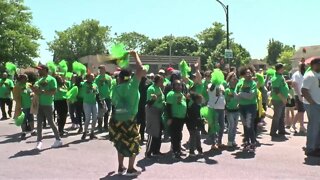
(198, 79)
(140, 72)
(307, 96)
(276, 88)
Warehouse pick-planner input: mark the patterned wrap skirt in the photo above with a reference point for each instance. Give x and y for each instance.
(125, 137)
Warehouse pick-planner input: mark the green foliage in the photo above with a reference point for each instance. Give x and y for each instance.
(87, 38)
(18, 37)
(285, 58)
(209, 39)
(180, 46)
(275, 48)
(133, 41)
(240, 55)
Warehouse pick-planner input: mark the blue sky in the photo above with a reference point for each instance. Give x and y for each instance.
(252, 22)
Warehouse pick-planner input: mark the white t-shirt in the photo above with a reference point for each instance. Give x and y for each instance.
(216, 100)
(297, 77)
(311, 82)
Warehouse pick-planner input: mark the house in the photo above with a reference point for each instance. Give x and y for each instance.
(304, 52)
(258, 64)
(155, 62)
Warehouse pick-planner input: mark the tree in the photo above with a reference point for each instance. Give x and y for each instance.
(240, 55)
(274, 51)
(134, 40)
(180, 46)
(87, 38)
(285, 58)
(18, 37)
(209, 39)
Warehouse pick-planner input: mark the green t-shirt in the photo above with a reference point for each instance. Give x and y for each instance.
(89, 92)
(127, 93)
(198, 88)
(25, 96)
(248, 87)
(232, 103)
(160, 96)
(278, 84)
(6, 88)
(178, 104)
(61, 93)
(46, 83)
(166, 81)
(104, 86)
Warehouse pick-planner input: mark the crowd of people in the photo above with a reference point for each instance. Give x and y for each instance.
(132, 105)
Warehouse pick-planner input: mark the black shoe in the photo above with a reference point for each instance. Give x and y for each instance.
(23, 136)
(284, 133)
(100, 130)
(80, 130)
(122, 170)
(133, 172)
(4, 118)
(84, 135)
(33, 133)
(92, 136)
(106, 128)
(200, 152)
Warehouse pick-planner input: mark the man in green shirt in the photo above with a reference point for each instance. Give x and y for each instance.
(45, 89)
(6, 87)
(279, 94)
(103, 81)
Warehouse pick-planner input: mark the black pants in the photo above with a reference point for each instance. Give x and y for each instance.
(61, 107)
(141, 120)
(176, 134)
(153, 145)
(3, 103)
(80, 117)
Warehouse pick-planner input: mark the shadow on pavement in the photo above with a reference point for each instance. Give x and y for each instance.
(11, 138)
(279, 139)
(243, 155)
(312, 161)
(31, 152)
(113, 175)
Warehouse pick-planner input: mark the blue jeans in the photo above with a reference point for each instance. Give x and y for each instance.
(91, 112)
(313, 133)
(248, 114)
(220, 119)
(232, 118)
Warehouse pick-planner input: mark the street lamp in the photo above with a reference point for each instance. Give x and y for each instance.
(226, 10)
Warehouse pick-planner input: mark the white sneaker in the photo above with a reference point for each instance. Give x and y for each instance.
(39, 146)
(56, 144)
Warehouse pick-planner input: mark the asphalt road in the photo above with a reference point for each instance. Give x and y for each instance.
(96, 159)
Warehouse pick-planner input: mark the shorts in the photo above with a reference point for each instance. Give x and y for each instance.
(299, 105)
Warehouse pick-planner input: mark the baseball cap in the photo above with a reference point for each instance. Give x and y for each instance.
(161, 71)
(170, 69)
(42, 67)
